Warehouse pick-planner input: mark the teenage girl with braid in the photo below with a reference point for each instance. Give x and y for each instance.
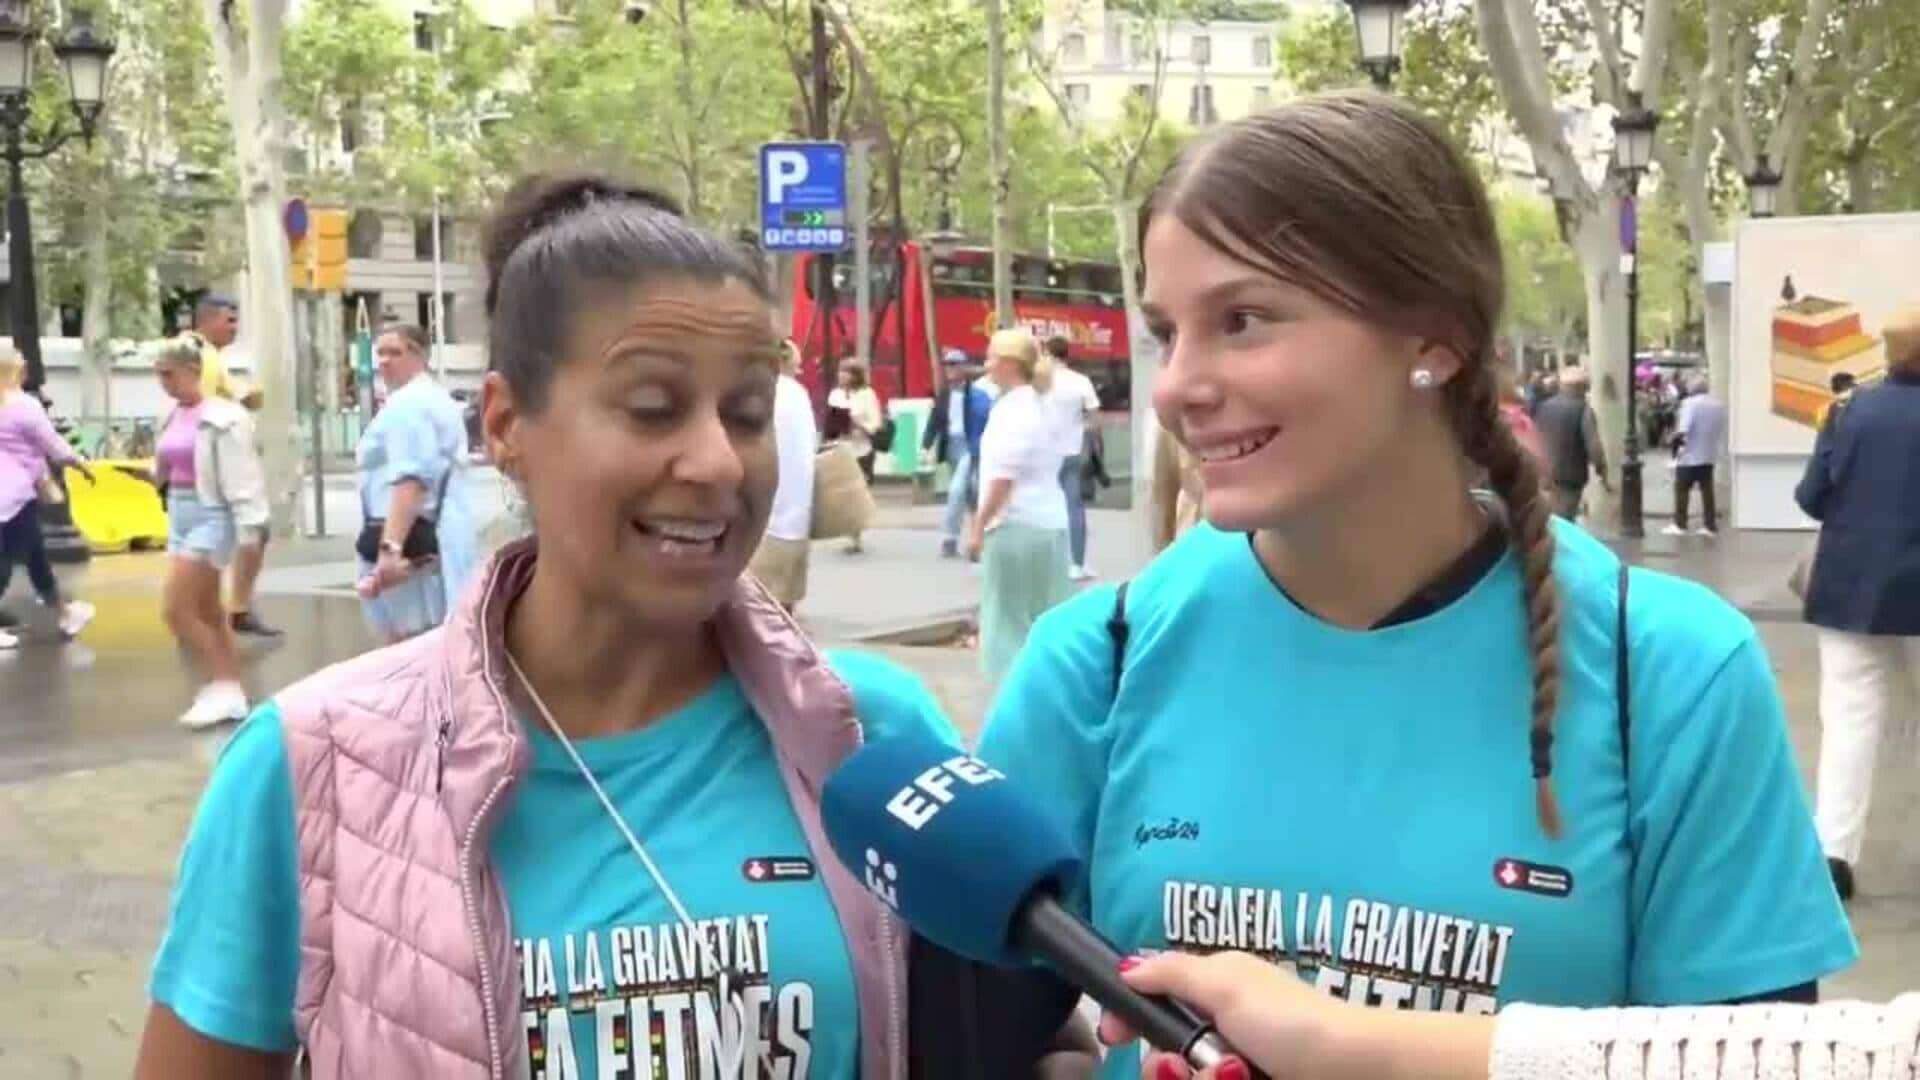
(1361, 719)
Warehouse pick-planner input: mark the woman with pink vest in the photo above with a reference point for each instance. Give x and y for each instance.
(573, 832)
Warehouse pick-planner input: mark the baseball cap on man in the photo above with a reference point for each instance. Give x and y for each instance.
(953, 356)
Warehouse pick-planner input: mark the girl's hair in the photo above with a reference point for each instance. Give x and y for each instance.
(1360, 199)
(1016, 343)
(856, 375)
(13, 368)
(410, 333)
(553, 236)
(183, 350)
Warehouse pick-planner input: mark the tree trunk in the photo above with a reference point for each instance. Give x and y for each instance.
(1859, 181)
(1596, 241)
(250, 65)
(1143, 362)
(684, 37)
(997, 165)
(96, 313)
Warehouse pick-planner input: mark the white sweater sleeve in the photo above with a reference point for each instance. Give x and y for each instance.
(1840, 1040)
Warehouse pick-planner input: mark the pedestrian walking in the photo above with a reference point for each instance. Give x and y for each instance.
(1020, 529)
(419, 540)
(781, 560)
(1571, 434)
(216, 321)
(1863, 595)
(612, 751)
(28, 443)
(1700, 440)
(954, 426)
(1359, 702)
(1070, 404)
(205, 461)
(856, 417)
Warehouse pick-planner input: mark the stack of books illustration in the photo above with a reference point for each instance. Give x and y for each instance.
(1814, 339)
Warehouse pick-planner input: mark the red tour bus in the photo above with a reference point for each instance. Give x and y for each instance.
(947, 303)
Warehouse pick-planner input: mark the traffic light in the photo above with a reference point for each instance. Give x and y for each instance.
(320, 257)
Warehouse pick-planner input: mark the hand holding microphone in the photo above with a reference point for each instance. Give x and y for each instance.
(976, 867)
(1271, 1017)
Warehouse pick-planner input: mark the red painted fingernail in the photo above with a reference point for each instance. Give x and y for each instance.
(1128, 963)
(1170, 1069)
(1232, 1069)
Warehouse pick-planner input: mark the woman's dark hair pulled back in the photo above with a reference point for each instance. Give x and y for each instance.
(552, 237)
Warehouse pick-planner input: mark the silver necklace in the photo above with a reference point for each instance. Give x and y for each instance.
(728, 997)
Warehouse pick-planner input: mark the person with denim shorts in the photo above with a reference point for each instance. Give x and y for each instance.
(205, 461)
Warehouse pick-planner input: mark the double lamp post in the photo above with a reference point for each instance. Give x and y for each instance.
(84, 54)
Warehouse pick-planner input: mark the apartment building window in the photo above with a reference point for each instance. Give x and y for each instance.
(1142, 92)
(1073, 48)
(1139, 46)
(423, 304)
(1202, 49)
(423, 239)
(423, 31)
(1113, 36)
(1263, 52)
(353, 131)
(1262, 96)
(1200, 110)
(1078, 94)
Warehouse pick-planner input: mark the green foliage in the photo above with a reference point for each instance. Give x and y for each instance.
(1546, 301)
(158, 170)
(1443, 71)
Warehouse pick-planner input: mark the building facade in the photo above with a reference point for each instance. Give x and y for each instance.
(1100, 56)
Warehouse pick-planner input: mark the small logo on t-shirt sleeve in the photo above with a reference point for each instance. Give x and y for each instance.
(777, 868)
(1537, 878)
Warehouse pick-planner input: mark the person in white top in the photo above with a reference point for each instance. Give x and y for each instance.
(1070, 402)
(781, 560)
(1020, 531)
(855, 416)
(1284, 1026)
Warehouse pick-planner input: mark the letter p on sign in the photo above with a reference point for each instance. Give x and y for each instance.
(785, 168)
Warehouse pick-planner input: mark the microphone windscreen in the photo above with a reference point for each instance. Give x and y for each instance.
(946, 841)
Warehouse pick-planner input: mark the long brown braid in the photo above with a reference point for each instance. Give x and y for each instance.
(1359, 198)
(1474, 400)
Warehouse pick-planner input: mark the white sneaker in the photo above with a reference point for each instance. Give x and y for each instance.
(9, 640)
(1706, 532)
(1081, 573)
(216, 704)
(1673, 530)
(74, 618)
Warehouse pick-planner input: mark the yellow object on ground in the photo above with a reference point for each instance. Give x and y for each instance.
(121, 510)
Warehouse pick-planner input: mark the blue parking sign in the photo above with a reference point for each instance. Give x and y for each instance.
(803, 196)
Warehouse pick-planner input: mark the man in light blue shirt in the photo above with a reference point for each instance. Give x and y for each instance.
(1700, 440)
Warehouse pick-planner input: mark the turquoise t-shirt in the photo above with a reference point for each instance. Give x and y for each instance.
(1361, 803)
(607, 971)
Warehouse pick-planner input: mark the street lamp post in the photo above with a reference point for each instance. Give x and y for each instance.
(1763, 189)
(84, 54)
(1380, 25)
(1633, 151)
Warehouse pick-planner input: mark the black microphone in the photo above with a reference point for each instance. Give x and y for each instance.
(975, 866)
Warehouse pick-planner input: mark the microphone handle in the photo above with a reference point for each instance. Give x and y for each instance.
(1046, 929)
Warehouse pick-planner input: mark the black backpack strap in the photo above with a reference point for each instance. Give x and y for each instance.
(1622, 680)
(1117, 630)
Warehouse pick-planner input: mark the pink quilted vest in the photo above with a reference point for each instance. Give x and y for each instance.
(401, 761)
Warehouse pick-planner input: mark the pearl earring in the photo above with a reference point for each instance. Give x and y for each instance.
(1422, 379)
